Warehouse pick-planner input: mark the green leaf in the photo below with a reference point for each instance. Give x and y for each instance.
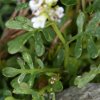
(23, 20)
(59, 58)
(81, 81)
(97, 33)
(91, 48)
(21, 63)
(32, 80)
(10, 98)
(93, 26)
(96, 5)
(16, 45)
(6, 92)
(20, 23)
(80, 22)
(78, 48)
(73, 66)
(22, 6)
(23, 89)
(57, 86)
(21, 78)
(39, 47)
(48, 33)
(13, 24)
(10, 72)
(14, 83)
(68, 2)
(12, 62)
(28, 59)
(40, 62)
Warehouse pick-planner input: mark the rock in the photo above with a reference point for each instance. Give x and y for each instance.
(89, 92)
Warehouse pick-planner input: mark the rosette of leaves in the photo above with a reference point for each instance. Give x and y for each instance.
(26, 75)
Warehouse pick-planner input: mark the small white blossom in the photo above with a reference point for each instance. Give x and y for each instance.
(35, 6)
(43, 10)
(59, 11)
(56, 14)
(51, 2)
(39, 21)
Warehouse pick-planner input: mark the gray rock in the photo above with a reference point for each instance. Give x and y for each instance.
(89, 92)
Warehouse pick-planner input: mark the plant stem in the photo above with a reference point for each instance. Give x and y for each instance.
(83, 4)
(32, 71)
(66, 56)
(73, 38)
(59, 34)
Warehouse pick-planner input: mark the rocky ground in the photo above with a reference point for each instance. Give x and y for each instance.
(89, 92)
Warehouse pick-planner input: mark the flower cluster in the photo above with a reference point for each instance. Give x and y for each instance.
(43, 10)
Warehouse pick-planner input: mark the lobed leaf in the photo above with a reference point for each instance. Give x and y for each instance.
(59, 58)
(57, 86)
(10, 72)
(39, 47)
(48, 34)
(81, 81)
(20, 23)
(21, 78)
(93, 26)
(80, 22)
(92, 49)
(40, 62)
(28, 59)
(16, 45)
(78, 48)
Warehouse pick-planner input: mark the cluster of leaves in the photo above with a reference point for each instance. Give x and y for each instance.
(37, 63)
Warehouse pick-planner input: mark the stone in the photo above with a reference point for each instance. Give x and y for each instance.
(89, 92)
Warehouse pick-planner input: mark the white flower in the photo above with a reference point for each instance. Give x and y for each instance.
(35, 6)
(56, 14)
(39, 21)
(59, 11)
(51, 2)
(43, 10)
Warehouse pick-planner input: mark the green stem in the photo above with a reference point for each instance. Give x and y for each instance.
(73, 38)
(59, 34)
(26, 71)
(66, 60)
(83, 4)
(66, 56)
